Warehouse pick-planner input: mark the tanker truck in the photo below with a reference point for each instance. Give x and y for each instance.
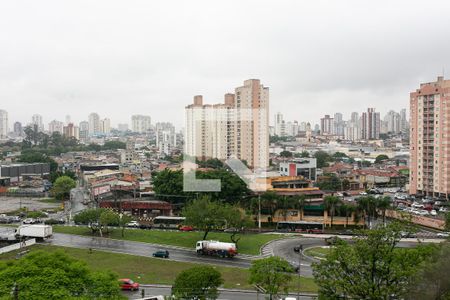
(216, 248)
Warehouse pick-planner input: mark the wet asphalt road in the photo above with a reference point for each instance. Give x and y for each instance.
(142, 249)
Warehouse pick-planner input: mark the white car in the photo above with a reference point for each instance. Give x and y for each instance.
(423, 212)
(443, 234)
(363, 193)
(443, 209)
(133, 224)
(433, 212)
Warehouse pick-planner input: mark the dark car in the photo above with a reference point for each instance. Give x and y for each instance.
(145, 226)
(128, 284)
(298, 248)
(54, 221)
(332, 240)
(161, 254)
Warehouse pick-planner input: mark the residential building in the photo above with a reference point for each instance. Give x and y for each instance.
(105, 126)
(326, 125)
(280, 126)
(392, 121)
(36, 120)
(18, 130)
(71, 131)
(306, 167)
(429, 139)
(238, 127)
(3, 124)
(84, 131)
(94, 124)
(338, 124)
(55, 126)
(140, 123)
(370, 125)
(122, 127)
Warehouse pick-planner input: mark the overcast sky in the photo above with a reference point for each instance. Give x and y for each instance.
(120, 58)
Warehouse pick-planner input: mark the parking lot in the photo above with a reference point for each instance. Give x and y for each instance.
(8, 204)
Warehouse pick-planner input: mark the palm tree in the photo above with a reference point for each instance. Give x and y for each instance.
(331, 202)
(383, 204)
(300, 204)
(348, 209)
(367, 205)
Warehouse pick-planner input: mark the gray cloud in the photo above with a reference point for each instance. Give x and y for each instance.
(125, 57)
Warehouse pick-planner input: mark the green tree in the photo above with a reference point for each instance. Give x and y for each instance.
(302, 154)
(432, 281)
(34, 156)
(62, 186)
(123, 221)
(447, 221)
(286, 154)
(114, 145)
(108, 218)
(44, 275)
(330, 182)
(272, 274)
(57, 174)
(331, 203)
(369, 268)
(347, 209)
(383, 204)
(168, 184)
(199, 283)
(204, 214)
(367, 205)
(269, 203)
(237, 220)
(323, 159)
(380, 158)
(89, 217)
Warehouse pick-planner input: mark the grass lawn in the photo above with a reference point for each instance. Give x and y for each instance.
(318, 252)
(248, 244)
(155, 271)
(50, 200)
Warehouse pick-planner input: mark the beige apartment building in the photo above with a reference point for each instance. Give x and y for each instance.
(430, 139)
(238, 127)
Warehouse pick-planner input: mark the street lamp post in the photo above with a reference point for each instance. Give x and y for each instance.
(259, 212)
(299, 265)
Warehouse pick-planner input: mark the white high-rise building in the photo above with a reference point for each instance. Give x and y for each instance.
(55, 126)
(83, 131)
(279, 125)
(392, 122)
(370, 125)
(3, 124)
(94, 124)
(105, 126)
(122, 127)
(36, 120)
(140, 123)
(239, 127)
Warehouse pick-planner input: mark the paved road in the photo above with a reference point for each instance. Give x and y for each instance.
(142, 249)
(224, 294)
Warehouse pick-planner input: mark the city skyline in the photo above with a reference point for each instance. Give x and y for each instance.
(98, 66)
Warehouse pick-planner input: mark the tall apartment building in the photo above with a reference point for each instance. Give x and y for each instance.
(403, 120)
(105, 126)
(83, 132)
(430, 139)
(55, 126)
(36, 120)
(3, 124)
(338, 124)
(279, 125)
(370, 124)
(326, 125)
(238, 127)
(94, 124)
(71, 131)
(140, 123)
(18, 130)
(392, 122)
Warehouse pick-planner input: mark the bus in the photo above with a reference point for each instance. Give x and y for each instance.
(168, 222)
(300, 226)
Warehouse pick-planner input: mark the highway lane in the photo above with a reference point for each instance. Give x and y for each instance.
(142, 249)
(224, 294)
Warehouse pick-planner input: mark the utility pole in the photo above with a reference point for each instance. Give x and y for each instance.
(299, 265)
(259, 212)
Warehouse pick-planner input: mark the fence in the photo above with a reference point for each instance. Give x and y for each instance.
(17, 246)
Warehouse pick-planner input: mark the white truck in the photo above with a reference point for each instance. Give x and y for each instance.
(216, 248)
(37, 231)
